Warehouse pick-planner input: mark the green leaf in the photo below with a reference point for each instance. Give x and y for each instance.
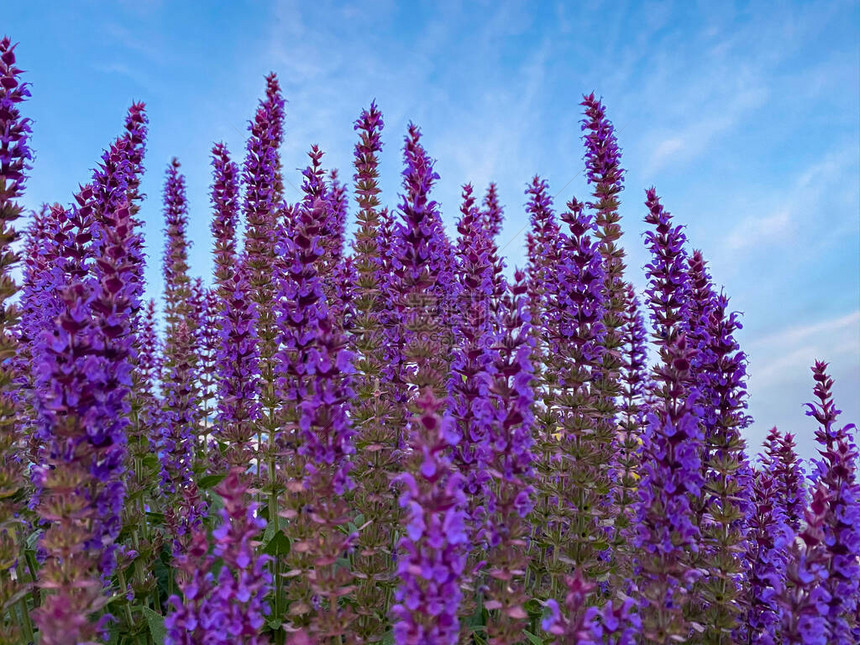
(533, 607)
(535, 640)
(388, 638)
(211, 481)
(156, 626)
(32, 539)
(278, 544)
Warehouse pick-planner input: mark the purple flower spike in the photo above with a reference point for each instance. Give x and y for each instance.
(805, 602)
(471, 361)
(769, 540)
(543, 243)
(237, 371)
(432, 553)
(492, 213)
(668, 288)
(782, 461)
(232, 607)
(666, 534)
(837, 470)
(177, 283)
(225, 201)
(511, 494)
(315, 373)
(15, 159)
(84, 381)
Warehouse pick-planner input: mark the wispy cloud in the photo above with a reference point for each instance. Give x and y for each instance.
(829, 184)
(711, 114)
(781, 356)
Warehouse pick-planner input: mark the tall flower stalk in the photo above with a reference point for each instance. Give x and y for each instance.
(15, 158)
(432, 552)
(667, 535)
(836, 468)
(375, 418)
(511, 490)
(783, 462)
(262, 183)
(84, 385)
(229, 607)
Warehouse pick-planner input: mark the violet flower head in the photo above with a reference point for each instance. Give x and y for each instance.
(262, 181)
(179, 419)
(225, 202)
(805, 601)
(543, 242)
(237, 370)
(432, 553)
(471, 360)
(422, 263)
(177, 284)
(492, 213)
(511, 494)
(770, 537)
(15, 131)
(15, 159)
(244, 580)
(116, 181)
(193, 618)
(783, 462)
(602, 159)
(316, 365)
(837, 470)
(84, 381)
(668, 286)
(666, 530)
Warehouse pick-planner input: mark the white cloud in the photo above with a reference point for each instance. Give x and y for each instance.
(781, 356)
(798, 207)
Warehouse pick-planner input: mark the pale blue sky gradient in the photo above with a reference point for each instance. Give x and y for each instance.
(744, 115)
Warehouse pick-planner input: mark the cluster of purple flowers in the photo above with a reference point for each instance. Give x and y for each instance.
(391, 438)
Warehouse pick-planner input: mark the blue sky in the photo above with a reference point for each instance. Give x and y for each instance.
(744, 115)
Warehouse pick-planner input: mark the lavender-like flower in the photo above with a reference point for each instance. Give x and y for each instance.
(225, 202)
(805, 602)
(432, 553)
(576, 485)
(177, 283)
(15, 158)
(769, 539)
(232, 607)
(83, 399)
(471, 363)
(720, 371)
(543, 242)
(616, 623)
(375, 417)
(261, 177)
(837, 470)
(237, 372)
(632, 412)
(666, 532)
(179, 419)
(783, 462)
(668, 289)
(492, 214)
(510, 491)
(263, 187)
(423, 266)
(604, 173)
(315, 373)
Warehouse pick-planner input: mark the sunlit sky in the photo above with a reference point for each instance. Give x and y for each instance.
(744, 115)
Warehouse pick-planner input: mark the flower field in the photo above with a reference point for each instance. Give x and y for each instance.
(362, 429)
